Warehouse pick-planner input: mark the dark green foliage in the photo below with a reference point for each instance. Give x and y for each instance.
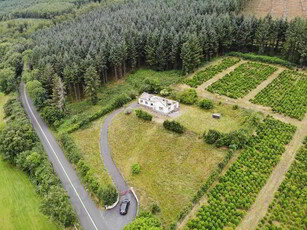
(136, 169)
(57, 205)
(262, 58)
(212, 136)
(20, 146)
(206, 104)
(155, 209)
(235, 192)
(7, 80)
(237, 138)
(108, 195)
(173, 126)
(144, 221)
(235, 107)
(143, 115)
(188, 96)
(51, 114)
(191, 54)
(91, 79)
(209, 72)
(37, 93)
(150, 86)
(72, 152)
(120, 101)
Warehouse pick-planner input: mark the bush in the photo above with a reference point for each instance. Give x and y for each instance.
(37, 93)
(212, 136)
(166, 92)
(120, 101)
(173, 126)
(206, 104)
(128, 111)
(51, 114)
(143, 115)
(235, 107)
(188, 96)
(108, 195)
(150, 86)
(136, 169)
(72, 152)
(155, 209)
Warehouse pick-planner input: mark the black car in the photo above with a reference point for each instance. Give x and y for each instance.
(124, 205)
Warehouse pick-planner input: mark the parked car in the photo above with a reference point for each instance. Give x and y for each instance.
(124, 206)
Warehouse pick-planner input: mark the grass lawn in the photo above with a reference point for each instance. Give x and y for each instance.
(88, 140)
(19, 204)
(199, 120)
(173, 167)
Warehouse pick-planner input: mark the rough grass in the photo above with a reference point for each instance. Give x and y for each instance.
(88, 140)
(19, 204)
(199, 120)
(107, 93)
(173, 167)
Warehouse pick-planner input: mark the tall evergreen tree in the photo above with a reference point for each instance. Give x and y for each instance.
(91, 79)
(58, 93)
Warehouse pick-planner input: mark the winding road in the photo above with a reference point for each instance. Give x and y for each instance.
(90, 216)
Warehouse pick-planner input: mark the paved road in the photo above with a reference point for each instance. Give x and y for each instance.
(91, 217)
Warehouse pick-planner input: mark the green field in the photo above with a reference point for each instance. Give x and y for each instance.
(19, 204)
(173, 167)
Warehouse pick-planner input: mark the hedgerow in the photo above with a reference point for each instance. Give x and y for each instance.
(289, 207)
(173, 126)
(262, 58)
(188, 96)
(21, 147)
(242, 80)
(229, 200)
(106, 193)
(210, 72)
(287, 94)
(143, 115)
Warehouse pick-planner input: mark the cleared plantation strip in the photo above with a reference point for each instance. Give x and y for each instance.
(209, 72)
(237, 190)
(289, 207)
(287, 95)
(242, 80)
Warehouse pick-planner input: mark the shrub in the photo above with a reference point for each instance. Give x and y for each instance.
(108, 195)
(143, 115)
(37, 93)
(72, 152)
(128, 111)
(121, 100)
(166, 92)
(150, 86)
(136, 169)
(51, 114)
(188, 96)
(212, 136)
(155, 209)
(206, 104)
(235, 107)
(173, 126)
(237, 138)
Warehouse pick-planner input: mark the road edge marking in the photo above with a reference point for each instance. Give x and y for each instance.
(24, 91)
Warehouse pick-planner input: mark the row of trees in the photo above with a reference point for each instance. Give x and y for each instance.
(162, 35)
(20, 146)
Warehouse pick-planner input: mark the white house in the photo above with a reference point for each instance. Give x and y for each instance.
(158, 104)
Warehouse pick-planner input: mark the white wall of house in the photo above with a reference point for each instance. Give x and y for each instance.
(158, 106)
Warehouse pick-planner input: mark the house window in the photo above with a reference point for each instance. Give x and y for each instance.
(151, 104)
(146, 102)
(141, 101)
(161, 108)
(169, 108)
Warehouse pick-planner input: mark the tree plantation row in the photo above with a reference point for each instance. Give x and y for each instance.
(289, 207)
(287, 94)
(233, 196)
(242, 80)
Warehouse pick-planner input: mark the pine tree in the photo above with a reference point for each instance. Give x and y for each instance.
(91, 79)
(58, 93)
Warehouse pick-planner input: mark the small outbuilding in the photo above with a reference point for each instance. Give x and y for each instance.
(159, 104)
(216, 115)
